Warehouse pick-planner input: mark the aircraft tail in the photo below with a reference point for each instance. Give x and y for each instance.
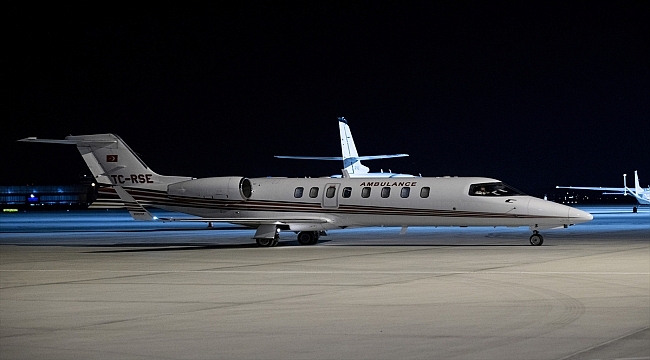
(351, 162)
(112, 162)
(351, 159)
(637, 185)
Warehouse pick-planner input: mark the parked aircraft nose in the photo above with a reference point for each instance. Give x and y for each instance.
(549, 209)
(577, 216)
(557, 213)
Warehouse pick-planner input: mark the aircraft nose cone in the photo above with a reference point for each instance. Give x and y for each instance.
(579, 216)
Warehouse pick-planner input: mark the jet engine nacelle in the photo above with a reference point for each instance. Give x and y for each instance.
(227, 188)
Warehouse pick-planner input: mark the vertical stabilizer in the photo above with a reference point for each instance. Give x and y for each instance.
(637, 185)
(351, 162)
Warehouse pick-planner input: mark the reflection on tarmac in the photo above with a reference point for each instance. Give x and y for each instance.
(101, 227)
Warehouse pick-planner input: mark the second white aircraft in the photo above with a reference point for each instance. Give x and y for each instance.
(352, 166)
(640, 194)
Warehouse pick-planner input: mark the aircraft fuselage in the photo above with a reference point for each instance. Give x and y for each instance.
(448, 201)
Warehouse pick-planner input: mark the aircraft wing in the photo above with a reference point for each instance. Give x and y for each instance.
(138, 212)
(621, 190)
(251, 221)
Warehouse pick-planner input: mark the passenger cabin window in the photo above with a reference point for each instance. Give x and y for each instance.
(493, 189)
(405, 192)
(385, 192)
(365, 192)
(330, 192)
(298, 192)
(424, 192)
(313, 192)
(347, 191)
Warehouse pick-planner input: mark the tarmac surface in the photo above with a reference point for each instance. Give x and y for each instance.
(97, 285)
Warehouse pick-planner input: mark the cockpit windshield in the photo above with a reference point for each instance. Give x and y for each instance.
(493, 189)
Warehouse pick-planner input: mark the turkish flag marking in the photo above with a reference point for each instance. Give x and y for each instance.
(111, 158)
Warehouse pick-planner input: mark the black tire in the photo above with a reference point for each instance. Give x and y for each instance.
(316, 237)
(264, 242)
(536, 239)
(306, 238)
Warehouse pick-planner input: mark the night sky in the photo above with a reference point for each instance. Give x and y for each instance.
(534, 95)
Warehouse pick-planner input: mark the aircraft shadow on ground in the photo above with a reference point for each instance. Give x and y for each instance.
(228, 228)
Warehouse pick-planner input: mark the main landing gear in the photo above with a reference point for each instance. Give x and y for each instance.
(268, 242)
(304, 238)
(536, 239)
(308, 237)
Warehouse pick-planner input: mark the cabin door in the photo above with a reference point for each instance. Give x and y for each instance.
(331, 196)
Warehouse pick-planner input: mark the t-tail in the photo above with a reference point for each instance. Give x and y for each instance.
(351, 159)
(352, 166)
(114, 164)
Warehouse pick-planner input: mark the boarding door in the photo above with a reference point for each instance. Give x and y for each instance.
(331, 196)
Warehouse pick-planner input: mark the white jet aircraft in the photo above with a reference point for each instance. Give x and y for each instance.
(352, 166)
(642, 195)
(311, 205)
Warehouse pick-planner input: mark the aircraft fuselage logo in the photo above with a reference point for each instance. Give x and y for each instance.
(111, 158)
(389, 183)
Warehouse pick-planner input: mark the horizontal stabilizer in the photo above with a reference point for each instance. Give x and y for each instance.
(68, 142)
(309, 157)
(339, 158)
(376, 157)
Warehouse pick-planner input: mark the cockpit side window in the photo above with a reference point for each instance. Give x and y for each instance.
(493, 189)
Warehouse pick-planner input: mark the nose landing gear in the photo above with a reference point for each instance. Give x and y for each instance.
(536, 239)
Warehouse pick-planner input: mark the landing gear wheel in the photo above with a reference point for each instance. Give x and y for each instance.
(275, 241)
(264, 242)
(268, 242)
(536, 239)
(307, 237)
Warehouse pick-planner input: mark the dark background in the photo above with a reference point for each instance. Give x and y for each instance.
(536, 95)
